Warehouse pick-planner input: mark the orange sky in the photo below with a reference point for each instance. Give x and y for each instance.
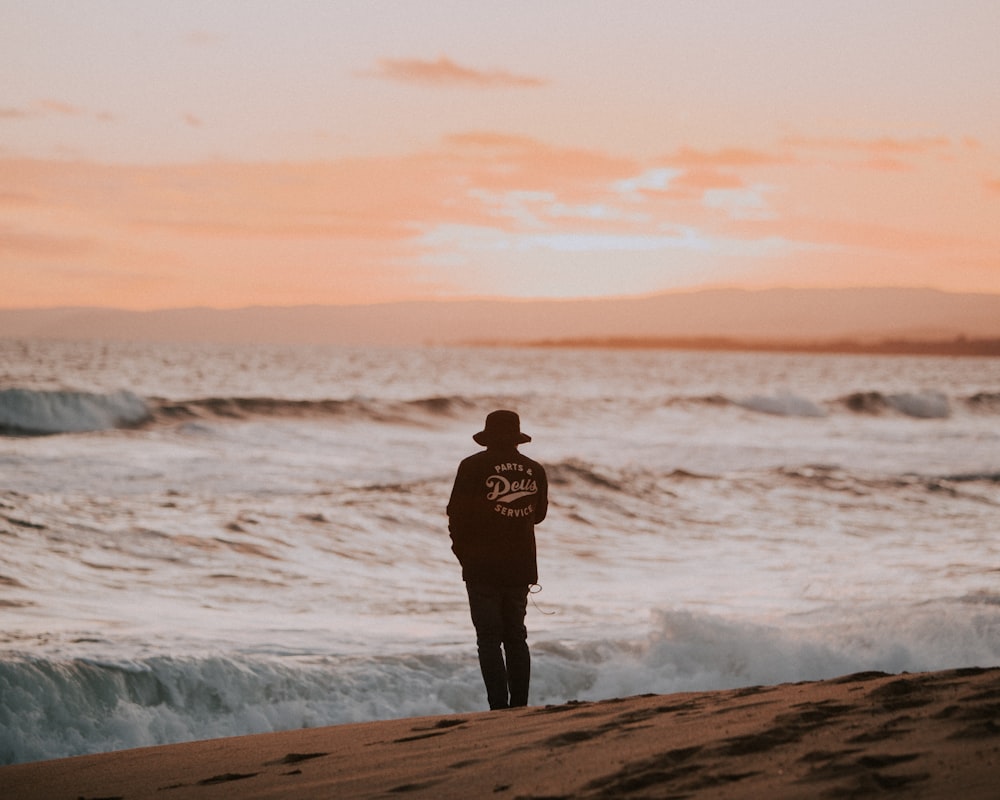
(239, 152)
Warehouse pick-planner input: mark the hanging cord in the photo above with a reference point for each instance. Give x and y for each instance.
(534, 589)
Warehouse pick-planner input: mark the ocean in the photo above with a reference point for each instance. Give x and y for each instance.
(205, 540)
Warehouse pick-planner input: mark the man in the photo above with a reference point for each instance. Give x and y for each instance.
(498, 497)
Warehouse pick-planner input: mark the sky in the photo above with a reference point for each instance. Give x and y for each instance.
(229, 153)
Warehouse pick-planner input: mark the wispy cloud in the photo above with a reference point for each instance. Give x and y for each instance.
(203, 38)
(18, 199)
(695, 182)
(653, 180)
(884, 154)
(691, 157)
(886, 145)
(491, 139)
(59, 107)
(445, 72)
(690, 173)
(21, 243)
(741, 202)
(15, 113)
(49, 108)
(500, 162)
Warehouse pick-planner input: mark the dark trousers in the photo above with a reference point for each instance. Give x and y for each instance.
(498, 614)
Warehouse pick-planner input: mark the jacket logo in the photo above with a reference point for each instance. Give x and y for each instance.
(504, 490)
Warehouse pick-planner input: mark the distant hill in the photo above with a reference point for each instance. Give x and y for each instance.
(800, 315)
(959, 346)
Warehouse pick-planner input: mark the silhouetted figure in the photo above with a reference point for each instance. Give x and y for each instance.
(498, 497)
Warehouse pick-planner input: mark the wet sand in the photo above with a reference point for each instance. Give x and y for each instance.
(926, 735)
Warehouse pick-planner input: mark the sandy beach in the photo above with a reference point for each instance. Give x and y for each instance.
(927, 735)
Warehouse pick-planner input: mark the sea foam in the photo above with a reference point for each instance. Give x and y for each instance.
(56, 708)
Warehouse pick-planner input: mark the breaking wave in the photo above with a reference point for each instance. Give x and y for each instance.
(784, 405)
(249, 407)
(930, 404)
(25, 412)
(57, 708)
(923, 405)
(28, 412)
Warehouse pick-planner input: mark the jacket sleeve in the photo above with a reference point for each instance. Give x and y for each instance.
(542, 504)
(458, 511)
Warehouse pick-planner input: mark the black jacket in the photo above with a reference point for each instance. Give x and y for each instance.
(498, 497)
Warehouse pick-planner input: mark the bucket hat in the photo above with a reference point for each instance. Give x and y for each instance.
(502, 427)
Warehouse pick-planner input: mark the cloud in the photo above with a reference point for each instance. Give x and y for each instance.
(445, 72)
(15, 113)
(690, 173)
(499, 162)
(740, 203)
(681, 184)
(42, 245)
(491, 139)
(49, 107)
(543, 210)
(19, 199)
(690, 157)
(687, 239)
(853, 237)
(59, 107)
(884, 154)
(886, 145)
(698, 181)
(653, 180)
(492, 201)
(203, 38)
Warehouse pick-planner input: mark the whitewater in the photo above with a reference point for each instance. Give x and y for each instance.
(207, 540)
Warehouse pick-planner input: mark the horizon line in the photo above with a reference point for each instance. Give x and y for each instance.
(508, 299)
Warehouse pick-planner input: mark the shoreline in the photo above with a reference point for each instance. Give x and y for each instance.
(926, 735)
